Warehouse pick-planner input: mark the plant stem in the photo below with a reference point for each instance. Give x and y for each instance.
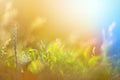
(15, 48)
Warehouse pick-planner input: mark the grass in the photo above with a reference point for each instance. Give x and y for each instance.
(55, 61)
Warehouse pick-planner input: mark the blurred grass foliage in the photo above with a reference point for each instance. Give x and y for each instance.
(55, 61)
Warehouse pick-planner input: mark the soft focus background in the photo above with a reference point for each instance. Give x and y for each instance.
(78, 24)
(70, 20)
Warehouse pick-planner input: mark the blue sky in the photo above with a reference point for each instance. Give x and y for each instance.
(112, 14)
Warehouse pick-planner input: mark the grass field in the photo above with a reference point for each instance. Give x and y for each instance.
(55, 61)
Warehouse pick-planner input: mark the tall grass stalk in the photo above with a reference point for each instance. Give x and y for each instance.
(15, 48)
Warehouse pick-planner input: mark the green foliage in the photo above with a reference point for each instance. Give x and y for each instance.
(63, 62)
(94, 60)
(35, 66)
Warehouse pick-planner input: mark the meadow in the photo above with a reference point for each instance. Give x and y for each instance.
(42, 40)
(55, 61)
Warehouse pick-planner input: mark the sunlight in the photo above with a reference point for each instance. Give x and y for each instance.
(78, 9)
(77, 14)
(59, 40)
(0, 1)
(38, 22)
(9, 14)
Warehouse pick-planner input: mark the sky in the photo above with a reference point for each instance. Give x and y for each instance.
(113, 15)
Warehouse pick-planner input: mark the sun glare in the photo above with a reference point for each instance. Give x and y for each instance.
(77, 13)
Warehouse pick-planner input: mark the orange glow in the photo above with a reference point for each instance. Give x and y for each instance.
(52, 19)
